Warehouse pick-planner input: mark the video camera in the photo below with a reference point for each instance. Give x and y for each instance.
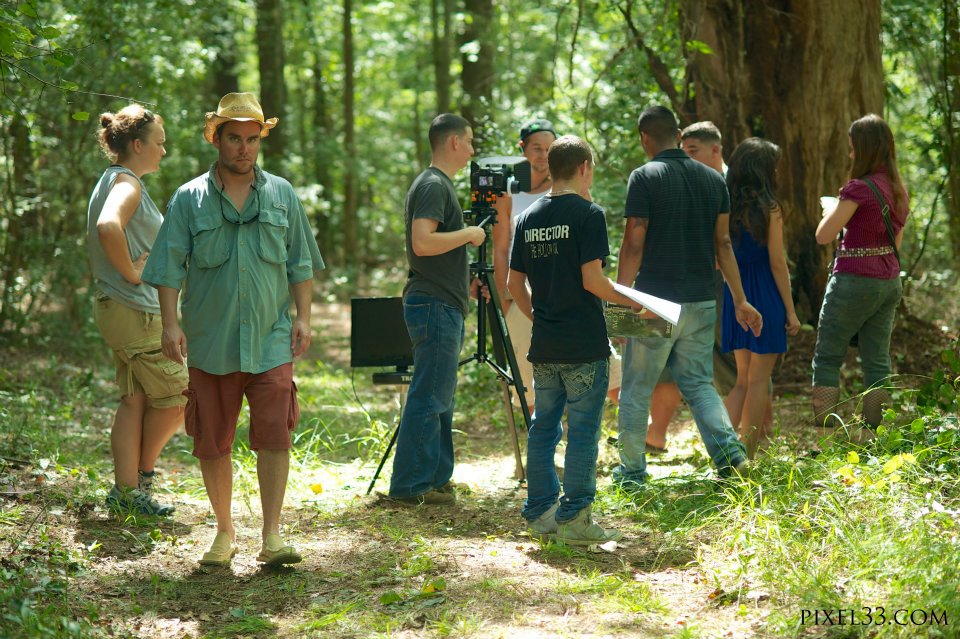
(492, 177)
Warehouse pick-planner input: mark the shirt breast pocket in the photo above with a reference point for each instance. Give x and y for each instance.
(210, 247)
(273, 234)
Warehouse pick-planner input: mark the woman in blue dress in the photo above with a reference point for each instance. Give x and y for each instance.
(756, 228)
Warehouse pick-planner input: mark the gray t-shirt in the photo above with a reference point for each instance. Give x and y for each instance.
(443, 276)
(141, 231)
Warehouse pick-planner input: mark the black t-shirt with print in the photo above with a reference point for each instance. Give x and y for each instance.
(552, 240)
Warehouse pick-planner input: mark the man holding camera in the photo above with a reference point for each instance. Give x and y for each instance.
(560, 246)
(435, 301)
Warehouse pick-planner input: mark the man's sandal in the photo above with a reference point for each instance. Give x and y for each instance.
(221, 551)
(276, 553)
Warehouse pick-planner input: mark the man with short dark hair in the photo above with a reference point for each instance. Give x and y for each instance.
(560, 246)
(434, 306)
(238, 242)
(702, 142)
(677, 229)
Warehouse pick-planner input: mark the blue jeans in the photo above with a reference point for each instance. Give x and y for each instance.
(581, 389)
(688, 353)
(424, 455)
(862, 306)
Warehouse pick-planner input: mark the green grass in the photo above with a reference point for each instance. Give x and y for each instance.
(852, 527)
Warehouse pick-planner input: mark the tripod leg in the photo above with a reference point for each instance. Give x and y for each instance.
(383, 460)
(518, 472)
(503, 346)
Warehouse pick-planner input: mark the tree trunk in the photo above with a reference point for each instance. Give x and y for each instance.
(478, 74)
(272, 90)
(797, 73)
(321, 152)
(224, 66)
(951, 65)
(349, 141)
(440, 25)
(17, 219)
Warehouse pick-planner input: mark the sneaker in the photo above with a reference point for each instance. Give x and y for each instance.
(134, 500)
(430, 498)
(582, 531)
(546, 524)
(740, 470)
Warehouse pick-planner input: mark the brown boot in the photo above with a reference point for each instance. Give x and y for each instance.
(825, 401)
(873, 403)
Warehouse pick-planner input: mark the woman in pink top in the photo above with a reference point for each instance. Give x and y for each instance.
(864, 289)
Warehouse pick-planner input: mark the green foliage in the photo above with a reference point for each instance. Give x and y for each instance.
(832, 532)
(34, 592)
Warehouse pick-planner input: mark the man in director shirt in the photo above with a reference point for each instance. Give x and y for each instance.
(238, 241)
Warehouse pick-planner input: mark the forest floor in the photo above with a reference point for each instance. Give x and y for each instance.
(373, 568)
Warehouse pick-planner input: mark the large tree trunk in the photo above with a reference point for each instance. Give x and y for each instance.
(272, 90)
(797, 73)
(478, 74)
(951, 65)
(349, 141)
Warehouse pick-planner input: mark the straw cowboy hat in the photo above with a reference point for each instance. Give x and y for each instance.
(237, 107)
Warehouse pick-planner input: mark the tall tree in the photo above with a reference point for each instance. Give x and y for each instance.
(271, 62)
(477, 56)
(349, 139)
(951, 91)
(441, 20)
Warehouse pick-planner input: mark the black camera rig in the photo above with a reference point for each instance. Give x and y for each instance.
(492, 177)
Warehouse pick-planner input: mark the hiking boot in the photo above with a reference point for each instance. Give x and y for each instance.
(145, 480)
(134, 501)
(582, 531)
(546, 524)
(452, 488)
(430, 498)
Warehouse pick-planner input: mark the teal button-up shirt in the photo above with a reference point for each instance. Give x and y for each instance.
(235, 269)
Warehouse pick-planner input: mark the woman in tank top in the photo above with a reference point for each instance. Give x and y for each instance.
(122, 224)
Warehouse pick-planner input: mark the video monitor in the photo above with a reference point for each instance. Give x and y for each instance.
(378, 334)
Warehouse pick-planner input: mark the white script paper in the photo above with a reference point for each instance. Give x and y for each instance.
(669, 311)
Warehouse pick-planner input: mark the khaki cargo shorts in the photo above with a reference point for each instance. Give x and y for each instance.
(141, 366)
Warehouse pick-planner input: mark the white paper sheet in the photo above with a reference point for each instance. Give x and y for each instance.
(669, 311)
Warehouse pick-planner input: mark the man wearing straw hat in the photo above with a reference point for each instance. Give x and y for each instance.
(238, 242)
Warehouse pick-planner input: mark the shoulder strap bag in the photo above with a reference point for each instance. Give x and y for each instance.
(885, 212)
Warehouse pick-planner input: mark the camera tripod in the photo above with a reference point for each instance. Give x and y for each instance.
(490, 311)
(487, 311)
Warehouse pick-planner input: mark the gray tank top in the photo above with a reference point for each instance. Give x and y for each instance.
(141, 232)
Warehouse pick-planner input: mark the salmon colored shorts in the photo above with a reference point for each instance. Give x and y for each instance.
(214, 402)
